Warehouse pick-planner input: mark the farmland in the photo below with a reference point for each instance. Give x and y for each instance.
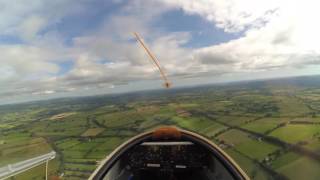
(271, 128)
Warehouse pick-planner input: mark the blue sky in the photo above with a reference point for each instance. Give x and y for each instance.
(203, 33)
(77, 47)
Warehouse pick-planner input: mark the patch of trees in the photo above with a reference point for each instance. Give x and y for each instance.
(256, 107)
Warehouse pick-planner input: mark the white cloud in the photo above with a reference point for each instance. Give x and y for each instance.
(27, 18)
(231, 15)
(276, 34)
(27, 60)
(29, 28)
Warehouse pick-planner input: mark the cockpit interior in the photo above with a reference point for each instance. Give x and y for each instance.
(168, 153)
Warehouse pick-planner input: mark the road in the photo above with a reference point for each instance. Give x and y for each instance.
(14, 169)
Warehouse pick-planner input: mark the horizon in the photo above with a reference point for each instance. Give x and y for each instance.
(50, 50)
(160, 89)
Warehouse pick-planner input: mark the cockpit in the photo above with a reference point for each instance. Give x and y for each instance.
(168, 153)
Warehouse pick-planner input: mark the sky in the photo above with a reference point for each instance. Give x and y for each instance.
(63, 48)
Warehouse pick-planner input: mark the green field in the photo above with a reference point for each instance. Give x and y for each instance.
(255, 124)
(92, 132)
(294, 133)
(303, 168)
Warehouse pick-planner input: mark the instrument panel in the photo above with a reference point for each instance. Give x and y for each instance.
(167, 156)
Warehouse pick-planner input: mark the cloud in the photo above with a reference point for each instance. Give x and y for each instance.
(107, 60)
(27, 60)
(31, 26)
(230, 15)
(277, 34)
(274, 36)
(102, 58)
(28, 18)
(214, 56)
